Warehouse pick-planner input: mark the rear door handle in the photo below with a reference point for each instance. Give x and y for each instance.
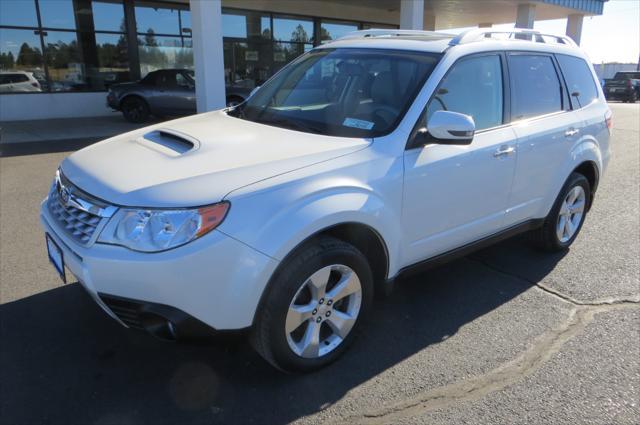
(571, 132)
(504, 151)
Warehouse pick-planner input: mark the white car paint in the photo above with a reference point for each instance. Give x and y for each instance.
(285, 186)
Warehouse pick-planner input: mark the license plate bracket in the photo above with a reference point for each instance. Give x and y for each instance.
(56, 257)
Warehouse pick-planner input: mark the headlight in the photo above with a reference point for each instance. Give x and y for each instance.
(151, 230)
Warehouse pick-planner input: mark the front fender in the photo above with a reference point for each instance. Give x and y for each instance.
(290, 220)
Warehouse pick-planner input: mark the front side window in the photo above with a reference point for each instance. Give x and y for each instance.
(579, 79)
(341, 92)
(472, 87)
(535, 87)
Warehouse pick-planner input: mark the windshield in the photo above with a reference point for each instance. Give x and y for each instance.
(341, 92)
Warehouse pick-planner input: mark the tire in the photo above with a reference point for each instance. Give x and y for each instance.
(135, 109)
(276, 335)
(548, 236)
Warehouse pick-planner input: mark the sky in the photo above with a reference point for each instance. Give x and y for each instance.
(613, 36)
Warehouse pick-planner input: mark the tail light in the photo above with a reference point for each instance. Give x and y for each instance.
(629, 83)
(34, 85)
(608, 119)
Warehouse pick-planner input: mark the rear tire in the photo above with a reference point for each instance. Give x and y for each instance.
(135, 110)
(565, 220)
(301, 327)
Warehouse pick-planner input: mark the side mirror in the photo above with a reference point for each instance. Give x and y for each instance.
(255, 89)
(446, 128)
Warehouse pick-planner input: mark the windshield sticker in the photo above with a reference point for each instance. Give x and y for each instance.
(356, 123)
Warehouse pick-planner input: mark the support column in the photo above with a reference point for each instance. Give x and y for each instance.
(574, 27)
(526, 15)
(430, 23)
(411, 14)
(208, 56)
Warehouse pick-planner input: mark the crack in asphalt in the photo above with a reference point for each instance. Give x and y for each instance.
(509, 373)
(555, 293)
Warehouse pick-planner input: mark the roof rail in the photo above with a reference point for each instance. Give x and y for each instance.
(390, 33)
(481, 34)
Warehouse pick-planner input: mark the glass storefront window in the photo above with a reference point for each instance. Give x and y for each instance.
(334, 30)
(113, 60)
(18, 13)
(157, 18)
(108, 15)
(20, 52)
(67, 70)
(57, 14)
(185, 22)
(293, 29)
(246, 25)
(163, 53)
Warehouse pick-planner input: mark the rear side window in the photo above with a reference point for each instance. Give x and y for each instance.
(535, 87)
(473, 87)
(20, 78)
(579, 80)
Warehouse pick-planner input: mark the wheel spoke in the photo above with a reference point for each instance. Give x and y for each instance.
(297, 315)
(561, 227)
(568, 225)
(318, 283)
(565, 208)
(310, 343)
(341, 323)
(577, 207)
(347, 285)
(573, 195)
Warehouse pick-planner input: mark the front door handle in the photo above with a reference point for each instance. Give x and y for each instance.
(504, 151)
(571, 132)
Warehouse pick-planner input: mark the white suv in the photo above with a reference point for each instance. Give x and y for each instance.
(363, 160)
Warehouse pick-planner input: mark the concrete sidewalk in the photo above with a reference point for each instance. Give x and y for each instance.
(57, 135)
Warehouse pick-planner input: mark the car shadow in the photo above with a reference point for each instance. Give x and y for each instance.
(64, 361)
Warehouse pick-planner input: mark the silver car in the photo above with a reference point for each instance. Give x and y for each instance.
(166, 92)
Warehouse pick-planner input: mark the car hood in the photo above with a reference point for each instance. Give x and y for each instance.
(196, 160)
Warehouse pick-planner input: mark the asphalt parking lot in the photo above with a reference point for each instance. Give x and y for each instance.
(507, 335)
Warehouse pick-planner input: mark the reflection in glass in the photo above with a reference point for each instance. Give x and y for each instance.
(159, 20)
(185, 22)
(108, 15)
(20, 13)
(113, 61)
(246, 24)
(335, 30)
(157, 52)
(58, 14)
(293, 29)
(64, 62)
(21, 64)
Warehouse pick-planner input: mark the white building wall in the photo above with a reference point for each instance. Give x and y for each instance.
(17, 107)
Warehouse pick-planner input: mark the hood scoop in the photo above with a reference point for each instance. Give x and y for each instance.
(169, 142)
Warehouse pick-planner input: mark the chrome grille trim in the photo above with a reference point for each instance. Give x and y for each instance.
(77, 214)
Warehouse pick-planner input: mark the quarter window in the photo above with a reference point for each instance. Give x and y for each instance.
(579, 79)
(472, 87)
(535, 87)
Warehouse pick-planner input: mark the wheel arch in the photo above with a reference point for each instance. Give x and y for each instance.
(589, 169)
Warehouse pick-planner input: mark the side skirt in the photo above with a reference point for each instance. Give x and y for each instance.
(465, 250)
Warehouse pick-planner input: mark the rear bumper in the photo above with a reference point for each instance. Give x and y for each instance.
(618, 95)
(214, 280)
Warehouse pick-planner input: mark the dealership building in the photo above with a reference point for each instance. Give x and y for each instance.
(75, 49)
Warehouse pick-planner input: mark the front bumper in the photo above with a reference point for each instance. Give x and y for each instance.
(215, 279)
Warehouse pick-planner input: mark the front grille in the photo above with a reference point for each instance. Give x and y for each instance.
(78, 224)
(127, 311)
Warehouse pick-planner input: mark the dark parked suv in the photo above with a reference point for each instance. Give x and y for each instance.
(624, 86)
(166, 92)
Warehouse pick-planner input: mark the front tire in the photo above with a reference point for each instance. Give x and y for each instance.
(314, 306)
(135, 110)
(565, 220)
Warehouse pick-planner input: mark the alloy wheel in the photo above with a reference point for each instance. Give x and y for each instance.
(571, 214)
(323, 311)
